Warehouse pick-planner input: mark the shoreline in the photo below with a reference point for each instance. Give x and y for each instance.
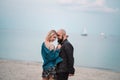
(23, 61)
(109, 70)
(31, 70)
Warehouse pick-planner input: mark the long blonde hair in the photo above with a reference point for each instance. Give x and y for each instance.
(50, 34)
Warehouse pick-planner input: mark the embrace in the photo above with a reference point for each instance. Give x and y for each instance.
(58, 61)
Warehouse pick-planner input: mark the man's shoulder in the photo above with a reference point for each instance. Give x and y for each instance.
(68, 44)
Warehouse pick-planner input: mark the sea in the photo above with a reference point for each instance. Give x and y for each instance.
(93, 51)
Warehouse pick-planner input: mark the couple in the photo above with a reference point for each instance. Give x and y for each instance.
(58, 61)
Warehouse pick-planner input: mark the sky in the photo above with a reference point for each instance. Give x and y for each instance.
(72, 15)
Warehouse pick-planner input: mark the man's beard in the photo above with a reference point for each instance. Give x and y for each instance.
(60, 40)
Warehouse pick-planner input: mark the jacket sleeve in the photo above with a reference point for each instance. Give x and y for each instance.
(70, 59)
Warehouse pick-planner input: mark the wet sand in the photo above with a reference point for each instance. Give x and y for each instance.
(21, 70)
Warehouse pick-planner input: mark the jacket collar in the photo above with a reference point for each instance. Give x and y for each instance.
(64, 41)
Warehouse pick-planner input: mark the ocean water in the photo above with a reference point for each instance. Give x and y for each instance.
(93, 51)
(97, 51)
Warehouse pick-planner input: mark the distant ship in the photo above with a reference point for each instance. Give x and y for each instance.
(102, 35)
(84, 32)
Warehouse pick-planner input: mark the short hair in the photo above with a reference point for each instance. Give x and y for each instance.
(50, 34)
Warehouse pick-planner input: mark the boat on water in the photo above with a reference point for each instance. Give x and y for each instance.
(84, 32)
(102, 35)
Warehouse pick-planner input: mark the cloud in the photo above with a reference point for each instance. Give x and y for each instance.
(87, 5)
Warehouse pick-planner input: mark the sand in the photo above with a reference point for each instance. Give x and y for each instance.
(21, 70)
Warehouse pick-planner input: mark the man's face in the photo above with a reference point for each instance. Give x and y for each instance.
(60, 37)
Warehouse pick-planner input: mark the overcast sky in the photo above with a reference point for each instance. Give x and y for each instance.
(41, 15)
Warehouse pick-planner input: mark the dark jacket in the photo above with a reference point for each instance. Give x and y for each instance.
(66, 53)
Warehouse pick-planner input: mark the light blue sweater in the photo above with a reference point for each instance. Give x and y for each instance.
(50, 57)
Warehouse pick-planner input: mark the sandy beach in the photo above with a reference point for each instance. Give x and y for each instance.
(21, 70)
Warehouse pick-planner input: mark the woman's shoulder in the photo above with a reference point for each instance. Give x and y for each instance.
(49, 46)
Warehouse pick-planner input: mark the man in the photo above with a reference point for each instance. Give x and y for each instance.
(65, 68)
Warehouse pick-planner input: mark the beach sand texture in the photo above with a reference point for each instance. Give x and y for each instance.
(21, 70)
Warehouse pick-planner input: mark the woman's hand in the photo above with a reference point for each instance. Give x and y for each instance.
(58, 46)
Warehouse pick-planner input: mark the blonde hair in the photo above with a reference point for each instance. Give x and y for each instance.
(50, 34)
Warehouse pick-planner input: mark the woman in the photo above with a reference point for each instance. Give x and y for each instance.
(50, 56)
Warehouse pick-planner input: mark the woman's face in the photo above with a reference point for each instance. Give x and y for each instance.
(53, 37)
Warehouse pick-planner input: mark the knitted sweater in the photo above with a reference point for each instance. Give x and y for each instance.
(50, 57)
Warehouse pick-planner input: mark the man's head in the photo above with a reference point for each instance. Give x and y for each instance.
(61, 35)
